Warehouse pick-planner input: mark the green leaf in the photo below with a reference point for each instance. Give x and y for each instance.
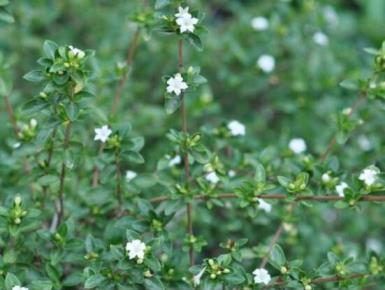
(11, 280)
(195, 41)
(235, 277)
(153, 284)
(49, 48)
(41, 285)
(278, 256)
(34, 76)
(4, 2)
(283, 181)
(172, 104)
(371, 51)
(260, 174)
(135, 157)
(349, 84)
(137, 143)
(94, 281)
(5, 16)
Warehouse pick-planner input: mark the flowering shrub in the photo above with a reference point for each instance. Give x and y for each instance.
(255, 162)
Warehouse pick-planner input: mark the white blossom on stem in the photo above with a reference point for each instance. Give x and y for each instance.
(320, 38)
(130, 175)
(369, 175)
(263, 205)
(260, 23)
(197, 277)
(261, 276)
(175, 161)
(17, 287)
(297, 145)
(135, 249)
(102, 133)
(236, 128)
(340, 189)
(212, 177)
(186, 23)
(266, 63)
(176, 84)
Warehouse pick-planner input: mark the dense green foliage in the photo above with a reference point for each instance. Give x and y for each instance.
(146, 146)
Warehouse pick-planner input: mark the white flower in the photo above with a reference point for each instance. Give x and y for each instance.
(263, 205)
(175, 161)
(320, 38)
(364, 143)
(369, 175)
(340, 188)
(297, 145)
(182, 12)
(130, 175)
(19, 288)
(197, 277)
(325, 177)
(76, 52)
(33, 123)
(266, 63)
(212, 177)
(231, 173)
(236, 128)
(186, 23)
(260, 23)
(102, 133)
(135, 248)
(261, 276)
(176, 84)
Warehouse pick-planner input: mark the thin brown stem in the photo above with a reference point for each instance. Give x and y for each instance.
(95, 175)
(278, 196)
(333, 140)
(48, 163)
(16, 130)
(11, 115)
(118, 180)
(118, 94)
(123, 80)
(323, 157)
(185, 156)
(322, 280)
(60, 208)
(276, 236)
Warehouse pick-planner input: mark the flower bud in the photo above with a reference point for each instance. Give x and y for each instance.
(283, 270)
(147, 274)
(18, 200)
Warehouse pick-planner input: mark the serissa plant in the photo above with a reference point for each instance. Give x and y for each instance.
(91, 222)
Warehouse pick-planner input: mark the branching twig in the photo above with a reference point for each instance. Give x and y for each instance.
(60, 209)
(315, 198)
(185, 156)
(322, 280)
(11, 115)
(333, 140)
(118, 94)
(16, 130)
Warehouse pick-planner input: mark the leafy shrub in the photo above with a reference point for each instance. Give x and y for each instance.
(255, 162)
